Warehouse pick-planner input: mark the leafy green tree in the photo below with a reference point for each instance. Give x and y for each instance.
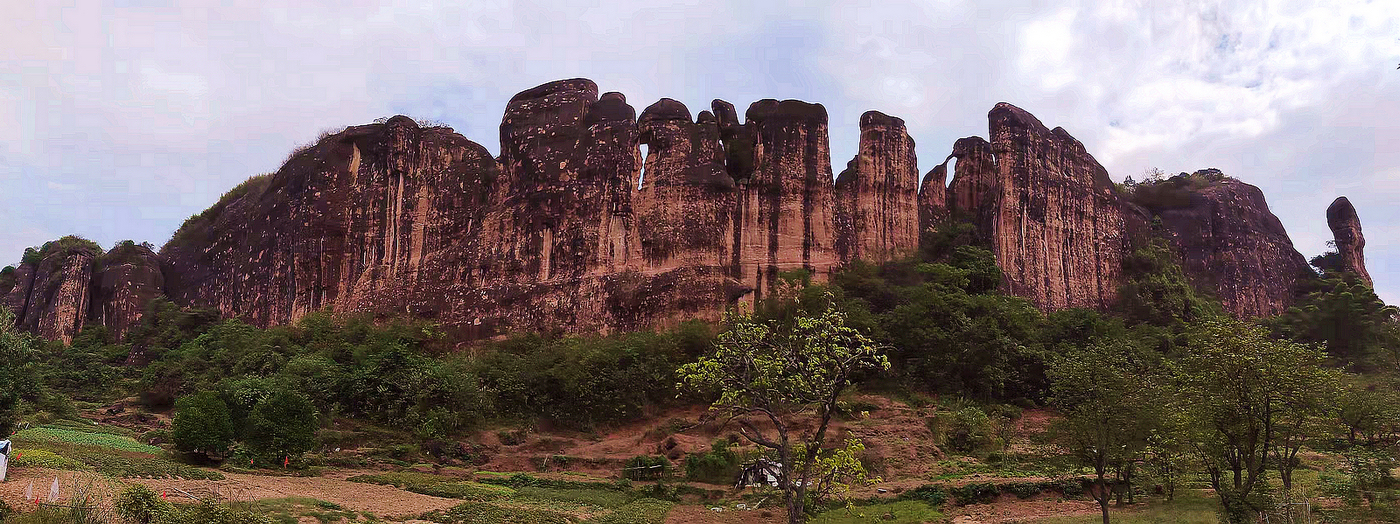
(202, 425)
(1156, 291)
(284, 425)
(1346, 315)
(761, 369)
(1242, 389)
(1112, 408)
(15, 379)
(1372, 414)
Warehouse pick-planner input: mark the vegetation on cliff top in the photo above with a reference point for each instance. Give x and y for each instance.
(195, 228)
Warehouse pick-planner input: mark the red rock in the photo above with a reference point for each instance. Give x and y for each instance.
(1232, 244)
(877, 196)
(1346, 233)
(126, 279)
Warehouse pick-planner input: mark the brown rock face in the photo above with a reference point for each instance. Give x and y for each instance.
(58, 300)
(128, 277)
(572, 229)
(975, 175)
(1054, 216)
(1346, 233)
(933, 195)
(877, 196)
(1230, 242)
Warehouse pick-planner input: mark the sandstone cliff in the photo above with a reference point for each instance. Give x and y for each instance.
(1231, 243)
(572, 228)
(1346, 234)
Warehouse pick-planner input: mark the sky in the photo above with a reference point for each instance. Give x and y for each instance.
(121, 118)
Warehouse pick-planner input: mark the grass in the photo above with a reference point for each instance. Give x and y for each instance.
(904, 512)
(292, 509)
(485, 513)
(61, 453)
(643, 511)
(85, 438)
(1188, 508)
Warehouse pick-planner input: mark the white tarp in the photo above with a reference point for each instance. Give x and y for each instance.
(4, 459)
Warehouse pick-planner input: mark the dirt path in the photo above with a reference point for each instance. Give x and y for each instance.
(384, 501)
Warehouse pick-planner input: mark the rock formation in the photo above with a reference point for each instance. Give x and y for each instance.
(1232, 244)
(1346, 234)
(572, 228)
(877, 196)
(1052, 212)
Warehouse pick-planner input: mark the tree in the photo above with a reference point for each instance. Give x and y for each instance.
(1244, 392)
(202, 425)
(17, 378)
(284, 425)
(1111, 408)
(773, 371)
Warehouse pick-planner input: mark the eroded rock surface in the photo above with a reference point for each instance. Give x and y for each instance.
(1346, 233)
(572, 228)
(1231, 243)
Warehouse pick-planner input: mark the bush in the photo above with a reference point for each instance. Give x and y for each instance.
(975, 493)
(202, 425)
(718, 466)
(284, 425)
(968, 430)
(646, 467)
(139, 505)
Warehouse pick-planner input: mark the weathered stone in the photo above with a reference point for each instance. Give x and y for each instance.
(975, 175)
(785, 216)
(1055, 218)
(877, 196)
(1231, 243)
(933, 194)
(1346, 233)
(58, 302)
(127, 278)
(16, 298)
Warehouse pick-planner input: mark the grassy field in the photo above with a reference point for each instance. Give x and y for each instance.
(1188, 508)
(905, 512)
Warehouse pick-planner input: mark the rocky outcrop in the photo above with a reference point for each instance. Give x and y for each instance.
(58, 298)
(125, 280)
(1231, 243)
(572, 228)
(1346, 234)
(877, 196)
(1053, 214)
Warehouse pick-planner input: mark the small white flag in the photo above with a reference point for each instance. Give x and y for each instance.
(29, 492)
(53, 491)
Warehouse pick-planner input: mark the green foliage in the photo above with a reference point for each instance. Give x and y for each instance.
(1159, 194)
(202, 424)
(195, 229)
(771, 368)
(485, 513)
(63, 247)
(84, 438)
(1347, 317)
(282, 426)
(646, 467)
(641, 511)
(967, 430)
(903, 512)
(139, 505)
(1157, 292)
(1241, 389)
(719, 465)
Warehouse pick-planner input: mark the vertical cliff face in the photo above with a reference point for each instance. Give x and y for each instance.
(877, 196)
(1231, 243)
(58, 301)
(786, 209)
(572, 229)
(1055, 217)
(1346, 233)
(126, 279)
(974, 177)
(933, 197)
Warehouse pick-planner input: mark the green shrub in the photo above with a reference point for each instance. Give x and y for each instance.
(139, 505)
(718, 466)
(284, 425)
(975, 493)
(931, 494)
(646, 467)
(462, 490)
(968, 430)
(202, 424)
(480, 512)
